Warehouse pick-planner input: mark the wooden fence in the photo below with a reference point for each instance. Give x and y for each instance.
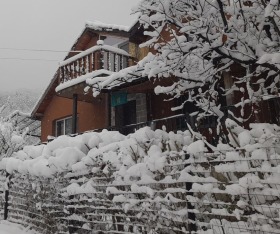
(230, 191)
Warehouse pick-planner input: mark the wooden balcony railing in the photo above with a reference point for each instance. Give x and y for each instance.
(96, 58)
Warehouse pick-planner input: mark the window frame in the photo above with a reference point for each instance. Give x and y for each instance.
(64, 125)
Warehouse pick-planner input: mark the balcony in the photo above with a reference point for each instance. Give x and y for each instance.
(97, 58)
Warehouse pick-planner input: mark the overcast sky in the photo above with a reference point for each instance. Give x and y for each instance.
(47, 25)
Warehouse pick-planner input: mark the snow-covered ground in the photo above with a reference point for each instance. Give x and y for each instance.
(11, 228)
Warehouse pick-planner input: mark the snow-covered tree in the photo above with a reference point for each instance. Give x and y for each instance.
(22, 100)
(216, 53)
(199, 42)
(11, 138)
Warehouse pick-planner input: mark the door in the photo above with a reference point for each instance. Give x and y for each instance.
(125, 115)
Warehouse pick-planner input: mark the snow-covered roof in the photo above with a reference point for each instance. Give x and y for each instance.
(81, 79)
(100, 26)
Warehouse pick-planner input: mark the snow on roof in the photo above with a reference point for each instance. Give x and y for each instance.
(100, 26)
(93, 49)
(81, 79)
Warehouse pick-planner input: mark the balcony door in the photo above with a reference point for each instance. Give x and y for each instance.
(125, 115)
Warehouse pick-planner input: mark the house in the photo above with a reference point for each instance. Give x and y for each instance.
(105, 57)
(63, 108)
(101, 50)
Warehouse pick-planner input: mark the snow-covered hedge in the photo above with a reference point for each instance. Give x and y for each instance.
(150, 182)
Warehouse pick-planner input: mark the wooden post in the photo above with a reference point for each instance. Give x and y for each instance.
(114, 62)
(101, 62)
(71, 223)
(109, 111)
(75, 113)
(191, 226)
(6, 205)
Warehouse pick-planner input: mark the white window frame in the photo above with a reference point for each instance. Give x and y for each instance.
(64, 125)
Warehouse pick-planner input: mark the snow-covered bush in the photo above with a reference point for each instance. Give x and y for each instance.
(11, 140)
(150, 182)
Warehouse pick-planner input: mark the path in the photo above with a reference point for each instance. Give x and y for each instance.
(9, 228)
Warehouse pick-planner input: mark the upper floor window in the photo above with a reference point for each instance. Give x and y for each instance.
(124, 46)
(63, 126)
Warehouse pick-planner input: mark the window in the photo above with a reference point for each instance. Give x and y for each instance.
(63, 126)
(125, 46)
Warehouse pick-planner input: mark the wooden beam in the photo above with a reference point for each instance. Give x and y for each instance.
(75, 113)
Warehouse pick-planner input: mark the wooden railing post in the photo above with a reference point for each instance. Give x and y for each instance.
(121, 62)
(72, 67)
(114, 62)
(86, 62)
(90, 62)
(82, 67)
(93, 61)
(109, 61)
(76, 66)
(101, 61)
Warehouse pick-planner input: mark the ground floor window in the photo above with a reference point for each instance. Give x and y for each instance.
(63, 126)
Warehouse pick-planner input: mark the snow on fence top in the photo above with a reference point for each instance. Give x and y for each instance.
(67, 153)
(97, 25)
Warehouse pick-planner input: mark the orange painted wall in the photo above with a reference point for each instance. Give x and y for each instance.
(90, 115)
